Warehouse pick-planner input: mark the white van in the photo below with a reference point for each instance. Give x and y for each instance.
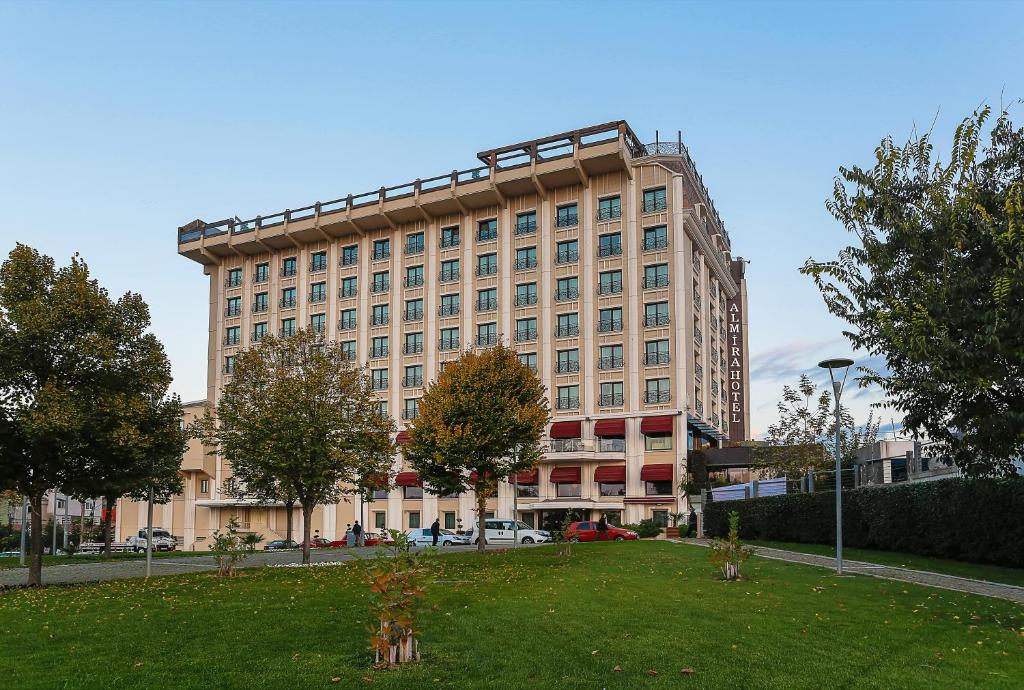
(504, 532)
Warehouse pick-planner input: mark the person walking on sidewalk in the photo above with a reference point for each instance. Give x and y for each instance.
(357, 532)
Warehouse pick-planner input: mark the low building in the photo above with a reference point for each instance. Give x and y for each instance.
(892, 462)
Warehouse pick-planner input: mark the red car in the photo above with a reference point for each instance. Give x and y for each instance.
(587, 531)
(369, 539)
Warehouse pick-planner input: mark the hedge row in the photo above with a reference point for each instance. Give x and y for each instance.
(976, 520)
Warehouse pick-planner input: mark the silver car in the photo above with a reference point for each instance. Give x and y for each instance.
(423, 537)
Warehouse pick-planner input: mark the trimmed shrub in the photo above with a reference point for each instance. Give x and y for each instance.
(975, 520)
(645, 529)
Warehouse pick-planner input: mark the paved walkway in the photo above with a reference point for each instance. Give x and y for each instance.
(888, 572)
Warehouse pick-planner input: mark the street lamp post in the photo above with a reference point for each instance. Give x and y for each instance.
(833, 366)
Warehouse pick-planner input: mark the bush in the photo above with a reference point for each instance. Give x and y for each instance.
(975, 520)
(645, 528)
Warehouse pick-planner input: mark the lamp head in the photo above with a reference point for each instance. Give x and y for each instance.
(836, 363)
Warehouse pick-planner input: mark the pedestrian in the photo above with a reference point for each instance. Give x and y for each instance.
(602, 528)
(435, 530)
(357, 532)
(691, 523)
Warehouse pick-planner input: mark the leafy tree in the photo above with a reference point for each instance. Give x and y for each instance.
(66, 352)
(935, 285)
(298, 419)
(479, 423)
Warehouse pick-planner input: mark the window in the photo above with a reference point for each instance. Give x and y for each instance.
(487, 230)
(654, 200)
(610, 283)
(568, 398)
(655, 276)
(234, 306)
(318, 293)
(526, 223)
(609, 208)
(487, 334)
(657, 391)
(379, 379)
(529, 359)
(413, 376)
(259, 331)
(414, 243)
(379, 494)
(526, 330)
(287, 298)
(413, 492)
(487, 300)
(487, 265)
(611, 489)
(567, 289)
(611, 394)
(610, 357)
(262, 274)
(381, 249)
(567, 326)
(658, 488)
(382, 408)
(526, 294)
(568, 361)
(568, 252)
(566, 216)
(318, 262)
(204, 486)
(287, 327)
(609, 320)
(234, 278)
(414, 276)
(449, 520)
(380, 315)
(609, 245)
(655, 238)
(450, 237)
(568, 490)
(526, 258)
(413, 343)
(379, 346)
(660, 517)
(349, 287)
(449, 270)
(449, 339)
(656, 314)
(347, 320)
(410, 408)
(261, 302)
(381, 281)
(656, 353)
(229, 364)
(318, 323)
(289, 267)
(379, 520)
(449, 305)
(350, 255)
(414, 310)
(527, 491)
(232, 335)
(348, 347)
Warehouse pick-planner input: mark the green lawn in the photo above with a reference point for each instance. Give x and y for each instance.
(15, 561)
(978, 571)
(523, 619)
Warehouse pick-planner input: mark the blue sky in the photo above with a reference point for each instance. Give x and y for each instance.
(122, 121)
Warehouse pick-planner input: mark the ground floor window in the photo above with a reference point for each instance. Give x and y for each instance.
(379, 520)
(449, 520)
(614, 517)
(489, 515)
(414, 519)
(660, 517)
(204, 486)
(528, 518)
(568, 490)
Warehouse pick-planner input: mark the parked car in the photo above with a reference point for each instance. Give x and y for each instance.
(281, 545)
(587, 531)
(504, 532)
(162, 540)
(423, 537)
(320, 543)
(369, 539)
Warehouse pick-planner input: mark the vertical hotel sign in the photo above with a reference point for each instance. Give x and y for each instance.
(735, 333)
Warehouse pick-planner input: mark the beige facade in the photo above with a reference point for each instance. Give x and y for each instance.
(601, 260)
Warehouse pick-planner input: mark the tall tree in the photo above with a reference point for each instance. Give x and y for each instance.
(935, 285)
(478, 424)
(299, 419)
(64, 344)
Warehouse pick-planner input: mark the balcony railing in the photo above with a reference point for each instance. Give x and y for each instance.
(526, 227)
(381, 254)
(526, 264)
(609, 325)
(286, 302)
(487, 304)
(570, 331)
(610, 400)
(654, 205)
(415, 248)
(318, 265)
(605, 363)
(698, 371)
(526, 300)
(257, 336)
(410, 414)
(698, 337)
(349, 355)
(379, 384)
(696, 302)
(318, 328)
(448, 275)
(566, 445)
(228, 368)
(610, 288)
(714, 388)
(448, 310)
(233, 310)
(487, 270)
(698, 405)
(449, 242)
(657, 397)
(412, 348)
(378, 352)
(655, 282)
(488, 235)
(348, 260)
(317, 297)
(448, 345)
(567, 367)
(380, 286)
(487, 339)
(652, 243)
(412, 381)
(610, 250)
(412, 315)
(567, 220)
(655, 320)
(564, 403)
(348, 291)
(347, 325)
(230, 339)
(380, 320)
(611, 445)
(656, 359)
(286, 332)
(566, 294)
(525, 335)
(609, 213)
(567, 256)
(413, 281)
(233, 280)
(260, 307)
(288, 271)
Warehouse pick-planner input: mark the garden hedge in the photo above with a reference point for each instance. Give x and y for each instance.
(976, 520)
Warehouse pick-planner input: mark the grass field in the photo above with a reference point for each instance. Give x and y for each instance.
(523, 619)
(978, 571)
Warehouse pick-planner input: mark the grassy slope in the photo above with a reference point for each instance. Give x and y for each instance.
(978, 571)
(525, 619)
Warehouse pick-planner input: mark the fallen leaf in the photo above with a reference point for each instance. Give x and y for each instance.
(687, 671)
(336, 679)
(367, 679)
(617, 669)
(593, 653)
(651, 672)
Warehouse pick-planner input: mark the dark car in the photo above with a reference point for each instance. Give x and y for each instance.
(587, 531)
(280, 545)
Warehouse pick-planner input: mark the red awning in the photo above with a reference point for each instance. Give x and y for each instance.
(408, 479)
(656, 473)
(610, 428)
(527, 477)
(610, 474)
(402, 438)
(567, 430)
(565, 475)
(656, 425)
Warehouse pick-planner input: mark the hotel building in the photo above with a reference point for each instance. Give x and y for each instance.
(601, 260)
